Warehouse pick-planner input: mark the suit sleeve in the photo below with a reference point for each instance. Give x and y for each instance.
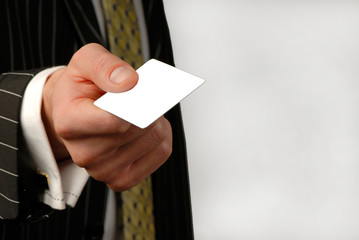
(12, 87)
(31, 167)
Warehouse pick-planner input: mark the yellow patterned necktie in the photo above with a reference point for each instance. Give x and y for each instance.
(135, 208)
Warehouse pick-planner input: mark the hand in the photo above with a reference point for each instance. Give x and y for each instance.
(110, 149)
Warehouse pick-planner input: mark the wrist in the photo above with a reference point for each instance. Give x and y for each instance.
(59, 150)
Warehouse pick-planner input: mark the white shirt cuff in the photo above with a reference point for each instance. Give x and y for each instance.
(65, 181)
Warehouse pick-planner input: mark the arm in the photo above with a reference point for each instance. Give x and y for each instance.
(110, 149)
(65, 180)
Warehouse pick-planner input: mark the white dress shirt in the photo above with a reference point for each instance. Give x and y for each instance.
(62, 187)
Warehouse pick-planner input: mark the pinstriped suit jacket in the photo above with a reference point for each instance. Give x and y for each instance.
(43, 33)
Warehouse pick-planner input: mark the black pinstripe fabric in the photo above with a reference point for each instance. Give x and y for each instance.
(43, 33)
(11, 89)
(171, 194)
(37, 34)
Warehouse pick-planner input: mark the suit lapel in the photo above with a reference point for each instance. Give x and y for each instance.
(173, 217)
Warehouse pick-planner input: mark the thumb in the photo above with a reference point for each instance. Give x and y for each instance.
(108, 72)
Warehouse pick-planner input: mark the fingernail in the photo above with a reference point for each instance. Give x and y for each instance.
(120, 74)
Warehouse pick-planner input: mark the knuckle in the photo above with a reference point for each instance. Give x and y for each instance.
(124, 126)
(157, 136)
(63, 122)
(99, 176)
(113, 124)
(83, 53)
(165, 150)
(122, 183)
(160, 131)
(88, 47)
(63, 129)
(84, 157)
(129, 182)
(80, 54)
(82, 160)
(101, 62)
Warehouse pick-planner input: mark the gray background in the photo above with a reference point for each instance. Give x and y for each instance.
(273, 135)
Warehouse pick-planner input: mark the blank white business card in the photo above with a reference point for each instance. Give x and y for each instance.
(160, 87)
